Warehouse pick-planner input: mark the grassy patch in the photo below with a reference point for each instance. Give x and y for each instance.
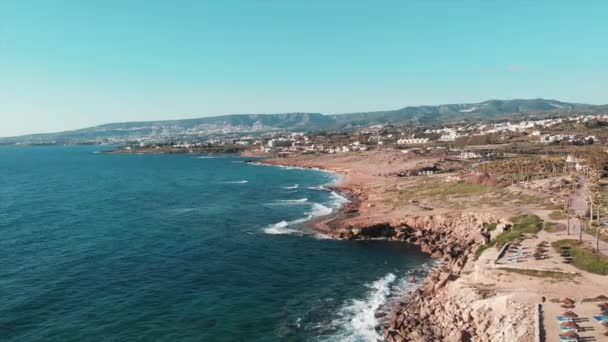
(552, 227)
(482, 249)
(584, 258)
(557, 215)
(507, 237)
(490, 226)
(530, 224)
(540, 273)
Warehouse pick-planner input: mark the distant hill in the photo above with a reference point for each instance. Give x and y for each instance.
(247, 123)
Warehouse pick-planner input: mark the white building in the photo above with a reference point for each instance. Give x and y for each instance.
(413, 141)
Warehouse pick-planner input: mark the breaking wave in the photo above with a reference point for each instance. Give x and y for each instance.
(289, 202)
(236, 182)
(279, 228)
(295, 186)
(282, 227)
(320, 210)
(357, 319)
(338, 200)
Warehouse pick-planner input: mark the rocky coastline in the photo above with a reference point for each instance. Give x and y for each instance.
(429, 313)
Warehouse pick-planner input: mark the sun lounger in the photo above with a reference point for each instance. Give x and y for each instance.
(600, 318)
(563, 318)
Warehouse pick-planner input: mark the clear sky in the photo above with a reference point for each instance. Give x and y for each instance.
(71, 64)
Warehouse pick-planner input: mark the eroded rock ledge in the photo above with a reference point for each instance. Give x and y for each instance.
(430, 313)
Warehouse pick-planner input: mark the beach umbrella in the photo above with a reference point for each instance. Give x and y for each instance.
(566, 300)
(569, 334)
(567, 306)
(570, 314)
(570, 325)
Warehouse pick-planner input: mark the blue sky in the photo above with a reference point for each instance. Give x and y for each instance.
(71, 64)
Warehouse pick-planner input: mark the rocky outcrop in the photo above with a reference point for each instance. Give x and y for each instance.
(434, 312)
(444, 307)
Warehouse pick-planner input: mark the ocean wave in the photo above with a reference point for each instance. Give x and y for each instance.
(337, 199)
(320, 210)
(356, 320)
(182, 210)
(318, 188)
(236, 182)
(295, 186)
(289, 202)
(317, 210)
(279, 229)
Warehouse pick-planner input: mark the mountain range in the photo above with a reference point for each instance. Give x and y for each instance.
(247, 123)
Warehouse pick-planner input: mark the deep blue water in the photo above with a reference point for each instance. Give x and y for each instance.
(179, 248)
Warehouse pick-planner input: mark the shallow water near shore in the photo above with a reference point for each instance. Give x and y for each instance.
(179, 247)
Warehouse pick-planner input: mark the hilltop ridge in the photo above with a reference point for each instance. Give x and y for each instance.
(300, 121)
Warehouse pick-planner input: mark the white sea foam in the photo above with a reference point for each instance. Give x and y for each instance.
(320, 210)
(295, 186)
(183, 210)
(236, 182)
(282, 227)
(338, 200)
(289, 202)
(279, 228)
(356, 320)
(318, 188)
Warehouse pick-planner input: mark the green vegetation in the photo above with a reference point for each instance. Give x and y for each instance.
(490, 226)
(540, 273)
(454, 189)
(507, 237)
(552, 227)
(584, 258)
(530, 224)
(557, 215)
(482, 249)
(523, 224)
(460, 195)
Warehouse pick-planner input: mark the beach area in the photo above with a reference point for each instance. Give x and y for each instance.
(474, 293)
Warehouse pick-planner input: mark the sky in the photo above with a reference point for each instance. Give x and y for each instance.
(72, 64)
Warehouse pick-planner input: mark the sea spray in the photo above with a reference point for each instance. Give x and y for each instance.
(356, 320)
(317, 210)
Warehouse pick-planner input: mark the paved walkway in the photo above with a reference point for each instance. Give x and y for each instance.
(578, 203)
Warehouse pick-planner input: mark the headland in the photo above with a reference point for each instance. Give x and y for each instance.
(501, 275)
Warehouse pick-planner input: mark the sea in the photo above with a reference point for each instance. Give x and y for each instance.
(183, 247)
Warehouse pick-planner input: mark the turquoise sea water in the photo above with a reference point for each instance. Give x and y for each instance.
(180, 248)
